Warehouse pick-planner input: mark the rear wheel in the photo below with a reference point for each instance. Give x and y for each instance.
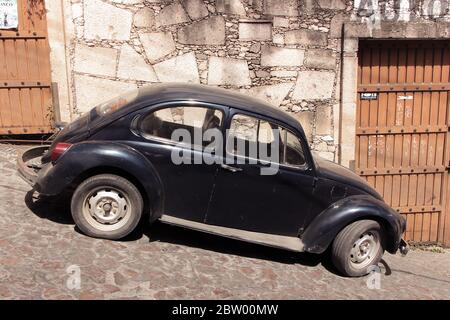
(106, 206)
(358, 247)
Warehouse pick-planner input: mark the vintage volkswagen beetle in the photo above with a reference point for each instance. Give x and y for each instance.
(119, 158)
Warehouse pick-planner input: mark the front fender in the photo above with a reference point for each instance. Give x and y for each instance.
(324, 228)
(88, 156)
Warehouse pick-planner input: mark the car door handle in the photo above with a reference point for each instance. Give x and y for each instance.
(230, 168)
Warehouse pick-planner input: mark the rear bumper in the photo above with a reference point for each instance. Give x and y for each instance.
(403, 247)
(29, 164)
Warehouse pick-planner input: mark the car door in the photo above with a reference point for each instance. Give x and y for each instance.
(247, 195)
(187, 179)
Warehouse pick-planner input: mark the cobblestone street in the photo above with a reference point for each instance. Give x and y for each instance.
(38, 242)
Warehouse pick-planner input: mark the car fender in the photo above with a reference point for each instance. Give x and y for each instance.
(92, 157)
(324, 228)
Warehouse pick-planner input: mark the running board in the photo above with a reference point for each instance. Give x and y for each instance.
(271, 240)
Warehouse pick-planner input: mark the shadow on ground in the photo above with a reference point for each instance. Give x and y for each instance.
(57, 209)
(191, 238)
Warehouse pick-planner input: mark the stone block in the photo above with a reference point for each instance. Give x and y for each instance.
(306, 37)
(272, 94)
(314, 85)
(228, 71)
(77, 10)
(144, 18)
(336, 120)
(326, 155)
(92, 91)
(133, 66)
(262, 74)
(181, 68)
(357, 30)
(281, 8)
(306, 119)
(279, 22)
(278, 39)
(332, 4)
(320, 59)
(283, 73)
(105, 21)
(196, 9)
(95, 60)
(232, 7)
(274, 56)
(157, 44)
(336, 26)
(172, 14)
(255, 48)
(206, 32)
(255, 31)
(324, 120)
(128, 2)
(351, 45)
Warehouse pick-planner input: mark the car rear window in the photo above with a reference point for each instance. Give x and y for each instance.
(116, 103)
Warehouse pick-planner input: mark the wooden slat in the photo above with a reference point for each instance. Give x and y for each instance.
(443, 221)
(415, 209)
(403, 87)
(25, 84)
(25, 129)
(402, 130)
(402, 170)
(22, 36)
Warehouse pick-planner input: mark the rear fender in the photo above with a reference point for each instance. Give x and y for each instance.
(324, 228)
(85, 158)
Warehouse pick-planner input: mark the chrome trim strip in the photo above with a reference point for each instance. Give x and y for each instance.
(271, 240)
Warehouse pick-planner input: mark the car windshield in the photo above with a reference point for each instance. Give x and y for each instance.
(116, 103)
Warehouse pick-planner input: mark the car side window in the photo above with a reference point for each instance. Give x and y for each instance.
(242, 136)
(253, 138)
(293, 153)
(269, 142)
(262, 140)
(164, 122)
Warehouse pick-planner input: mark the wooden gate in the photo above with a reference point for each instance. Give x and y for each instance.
(402, 131)
(25, 85)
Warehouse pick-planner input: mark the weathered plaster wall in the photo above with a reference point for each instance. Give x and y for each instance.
(286, 52)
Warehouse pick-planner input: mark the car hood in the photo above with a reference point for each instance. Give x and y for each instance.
(330, 170)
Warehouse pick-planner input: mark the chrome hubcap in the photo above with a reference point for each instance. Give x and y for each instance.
(106, 209)
(364, 250)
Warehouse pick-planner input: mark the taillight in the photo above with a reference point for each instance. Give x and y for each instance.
(59, 150)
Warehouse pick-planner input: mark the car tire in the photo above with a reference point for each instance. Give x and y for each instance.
(358, 247)
(106, 206)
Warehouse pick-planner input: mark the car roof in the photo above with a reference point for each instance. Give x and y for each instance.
(158, 93)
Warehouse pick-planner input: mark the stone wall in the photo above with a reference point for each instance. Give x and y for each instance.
(285, 52)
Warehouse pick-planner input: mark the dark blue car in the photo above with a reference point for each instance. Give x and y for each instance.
(214, 161)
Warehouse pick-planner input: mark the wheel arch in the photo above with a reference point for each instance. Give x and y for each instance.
(105, 169)
(320, 233)
(99, 157)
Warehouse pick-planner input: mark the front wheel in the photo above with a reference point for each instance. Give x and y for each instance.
(358, 247)
(106, 206)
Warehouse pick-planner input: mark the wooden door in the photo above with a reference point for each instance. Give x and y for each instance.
(402, 130)
(25, 85)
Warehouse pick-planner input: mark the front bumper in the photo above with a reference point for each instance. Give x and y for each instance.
(29, 163)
